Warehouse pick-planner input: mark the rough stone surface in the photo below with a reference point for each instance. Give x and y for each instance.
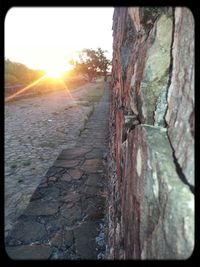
(181, 93)
(157, 65)
(26, 231)
(92, 165)
(151, 161)
(71, 213)
(33, 252)
(39, 207)
(155, 188)
(93, 180)
(86, 247)
(66, 163)
(66, 215)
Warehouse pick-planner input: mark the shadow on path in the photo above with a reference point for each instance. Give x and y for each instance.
(66, 218)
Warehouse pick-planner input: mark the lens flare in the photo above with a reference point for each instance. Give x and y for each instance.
(25, 88)
(57, 71)
(51, 73)
(54, 73)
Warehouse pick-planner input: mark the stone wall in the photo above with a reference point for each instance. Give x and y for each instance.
(151, 161)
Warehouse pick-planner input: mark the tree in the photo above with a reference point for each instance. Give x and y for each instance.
(104, 63)
(91, 63)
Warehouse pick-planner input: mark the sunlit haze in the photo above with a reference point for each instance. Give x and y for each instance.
(46, 38)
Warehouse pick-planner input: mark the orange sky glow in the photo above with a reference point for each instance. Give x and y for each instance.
(46, 38)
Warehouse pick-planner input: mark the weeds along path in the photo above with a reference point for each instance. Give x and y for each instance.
(37, 129)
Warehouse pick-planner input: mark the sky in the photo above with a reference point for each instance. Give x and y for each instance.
(42, 38)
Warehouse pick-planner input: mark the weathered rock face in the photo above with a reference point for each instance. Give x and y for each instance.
(180, 112)
(151, 164)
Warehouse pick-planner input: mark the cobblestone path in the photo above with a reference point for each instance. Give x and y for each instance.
(36, 131)
(66, 218)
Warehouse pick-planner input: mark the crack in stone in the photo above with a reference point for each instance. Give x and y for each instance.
(170, 66)
(179, 171)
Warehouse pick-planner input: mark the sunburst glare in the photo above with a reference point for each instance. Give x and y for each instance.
(25, 88)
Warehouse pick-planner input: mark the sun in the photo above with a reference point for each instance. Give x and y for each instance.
(57, 71)
(54, 73)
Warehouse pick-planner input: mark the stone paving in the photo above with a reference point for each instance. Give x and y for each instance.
(36, 131)
(66, 216)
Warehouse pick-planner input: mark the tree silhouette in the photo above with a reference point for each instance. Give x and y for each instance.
(91, 63)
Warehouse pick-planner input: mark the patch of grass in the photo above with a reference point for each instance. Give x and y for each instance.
(24, 106)
(47, 144)
(41, 158)
(13, 166)
(92, 96)
(55, 113)
(85, 121)
(71, 106)
(26, 163)
(90, 113)
(85, 103)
